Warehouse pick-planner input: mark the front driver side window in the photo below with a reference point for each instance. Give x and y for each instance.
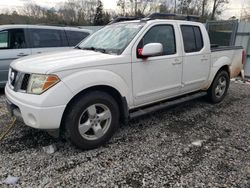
(163, 34)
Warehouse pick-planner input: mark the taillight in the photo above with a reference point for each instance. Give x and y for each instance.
(243, 57)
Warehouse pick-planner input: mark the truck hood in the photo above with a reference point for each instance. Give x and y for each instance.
(60, 61)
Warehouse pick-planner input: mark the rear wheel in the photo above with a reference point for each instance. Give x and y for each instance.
(219, 87)
(92, 120)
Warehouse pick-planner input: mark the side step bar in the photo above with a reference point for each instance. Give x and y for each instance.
(165, 105)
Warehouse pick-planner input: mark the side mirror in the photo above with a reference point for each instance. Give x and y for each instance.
(152, 49)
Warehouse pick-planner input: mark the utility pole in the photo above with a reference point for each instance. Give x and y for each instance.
(135, 7)
(241, 10)
(175, 6)
(182, 6)
(203, 7)
(214, 9)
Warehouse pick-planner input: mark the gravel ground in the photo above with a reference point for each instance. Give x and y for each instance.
(152, 151)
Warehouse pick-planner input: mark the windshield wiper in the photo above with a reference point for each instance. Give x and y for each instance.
(95, 49)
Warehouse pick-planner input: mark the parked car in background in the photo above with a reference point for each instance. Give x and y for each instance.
(120, 71)
(22, 40)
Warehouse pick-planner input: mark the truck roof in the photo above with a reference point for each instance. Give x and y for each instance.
(149, 21)
(161, 16)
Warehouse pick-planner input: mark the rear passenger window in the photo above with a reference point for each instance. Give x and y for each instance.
(74, 37)
(42, 38)
(163, 34)
(192, 38)
(12, 39)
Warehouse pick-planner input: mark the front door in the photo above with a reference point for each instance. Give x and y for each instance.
(13, 45)
(159, 77)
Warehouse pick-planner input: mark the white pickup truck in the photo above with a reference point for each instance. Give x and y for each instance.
(124, 69)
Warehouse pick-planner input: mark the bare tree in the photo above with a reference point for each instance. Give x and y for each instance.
(167, 6)
(204, 4)
(122, 4)
(68, 11)
(82, 12)
(138, 7)
(245, 12)
(78, 11)
(34, 10)
(217, 5)
(195, 7)
(99, 15)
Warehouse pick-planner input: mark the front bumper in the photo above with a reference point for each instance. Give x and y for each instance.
(48, 118)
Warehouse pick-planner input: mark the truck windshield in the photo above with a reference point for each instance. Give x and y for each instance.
(112, 39)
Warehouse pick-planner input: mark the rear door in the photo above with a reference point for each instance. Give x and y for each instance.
(196, 65)
(159, 77)
(13, 45)
(47, 40)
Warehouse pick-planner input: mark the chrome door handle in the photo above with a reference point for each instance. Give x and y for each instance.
(22, 55)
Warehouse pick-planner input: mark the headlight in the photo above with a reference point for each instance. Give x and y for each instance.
(38, 83)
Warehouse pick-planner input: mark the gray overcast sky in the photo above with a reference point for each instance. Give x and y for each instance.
(233, 9)
(12, 3)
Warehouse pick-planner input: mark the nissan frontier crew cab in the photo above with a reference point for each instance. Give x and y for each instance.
(124, 68)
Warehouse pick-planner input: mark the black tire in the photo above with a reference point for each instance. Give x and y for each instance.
(213, 95)
(79, 110)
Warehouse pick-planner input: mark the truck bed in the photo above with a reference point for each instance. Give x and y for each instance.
(228, 53)
(215, 48)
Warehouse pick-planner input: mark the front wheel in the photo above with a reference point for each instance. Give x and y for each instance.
(92, 120)
(219, 87)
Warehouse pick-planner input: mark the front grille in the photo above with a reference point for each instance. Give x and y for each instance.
(18, 80)
(25, 82)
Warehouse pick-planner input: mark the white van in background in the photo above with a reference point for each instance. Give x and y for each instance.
(22, 40)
